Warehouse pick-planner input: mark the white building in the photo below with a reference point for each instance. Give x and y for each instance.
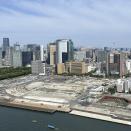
(124, 85)
(120, 86)
(129, 85)
(91, 68)
(61, 47)
(128, 66)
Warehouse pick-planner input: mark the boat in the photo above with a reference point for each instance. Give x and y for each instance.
(51, 126)
(34, 121)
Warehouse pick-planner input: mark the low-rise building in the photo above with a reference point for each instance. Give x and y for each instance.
(38, 67)
(75, 67)
(120, 85)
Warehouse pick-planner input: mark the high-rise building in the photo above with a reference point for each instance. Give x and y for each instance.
(123, 69)
(79, 55)
(116, 64)
(70, 50)
(38, 67)
(27, 57)
(64, 51)
(101, 55)
(9, 56)
(5, 43)
(52, 54)
(43, 53)
(0, 57)
(36, 51)
(128, 65)
(17, 56)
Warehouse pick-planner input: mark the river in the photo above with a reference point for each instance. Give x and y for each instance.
(13, 119)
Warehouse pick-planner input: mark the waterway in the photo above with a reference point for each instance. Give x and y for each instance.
(13, 119)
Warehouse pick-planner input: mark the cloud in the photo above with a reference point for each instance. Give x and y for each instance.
(92, 22)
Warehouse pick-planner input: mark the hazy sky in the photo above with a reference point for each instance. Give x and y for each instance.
(88, 23)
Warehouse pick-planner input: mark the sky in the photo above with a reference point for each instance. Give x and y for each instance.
(89, 23)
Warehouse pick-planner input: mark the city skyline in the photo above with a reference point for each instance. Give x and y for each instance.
(96, 24)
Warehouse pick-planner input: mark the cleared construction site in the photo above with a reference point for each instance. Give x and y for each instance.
(66, 94)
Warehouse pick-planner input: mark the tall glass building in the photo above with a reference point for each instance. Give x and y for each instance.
(5, 43)
(64, 51)
(70, 50)
(17, 56)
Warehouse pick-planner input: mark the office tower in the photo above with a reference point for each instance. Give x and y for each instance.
(52, 54)
(27, 57)
(89, 53)
(42, 53)
(70, 50)
(64, 51)
(0, 57)
(116, 64)
(45, 53)
(9, 56)
(38, 67)
(128, 65)
(17, 56)
(36, 51)
(79, 55)
(113, 64)
(61, 51)
(101, 56)
(5, 43)
(123, 69)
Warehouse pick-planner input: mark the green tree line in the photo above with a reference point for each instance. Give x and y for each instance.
(6, 73)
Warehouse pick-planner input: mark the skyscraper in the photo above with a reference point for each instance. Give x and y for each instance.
(0, 57)
(5, 43)
(17, 56)
(52, 53)
(116, 64)
(70, 50)
(36, 51)
(64, 51)
(42, 53)
(9, 56)
(27, 57)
